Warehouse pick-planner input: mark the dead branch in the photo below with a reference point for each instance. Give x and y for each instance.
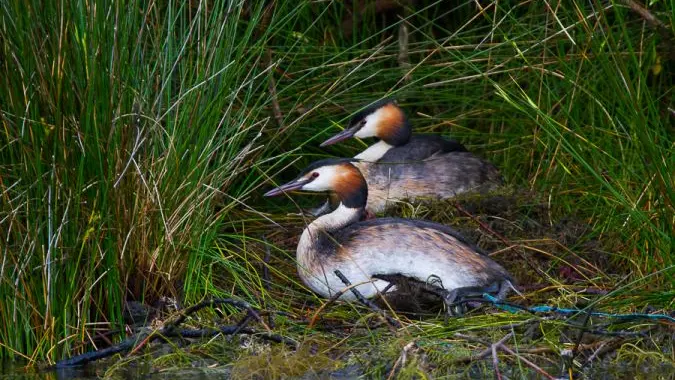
(366, 301)
(171, 329)
(645, 14)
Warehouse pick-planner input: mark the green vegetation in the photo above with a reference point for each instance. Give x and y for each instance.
(138, 137)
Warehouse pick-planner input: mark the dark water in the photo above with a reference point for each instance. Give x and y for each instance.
(93, 371)
(134, 371)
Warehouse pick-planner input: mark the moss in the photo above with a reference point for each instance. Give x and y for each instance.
(310, 359)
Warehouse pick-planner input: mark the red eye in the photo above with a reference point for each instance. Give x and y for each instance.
(315, 174)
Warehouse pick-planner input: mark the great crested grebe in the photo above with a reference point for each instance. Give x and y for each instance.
(370, 250)
(406, 166)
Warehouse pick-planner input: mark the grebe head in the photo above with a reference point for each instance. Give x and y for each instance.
(335, 175)
(384, 120)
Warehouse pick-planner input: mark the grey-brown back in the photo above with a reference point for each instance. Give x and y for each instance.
(441, 176)
(421, 147)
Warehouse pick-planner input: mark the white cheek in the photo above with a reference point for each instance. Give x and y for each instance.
(370, 129)
(324, 182)
(320, 183)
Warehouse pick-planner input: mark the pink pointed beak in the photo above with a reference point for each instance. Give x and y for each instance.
(344, 135)
(296, 184)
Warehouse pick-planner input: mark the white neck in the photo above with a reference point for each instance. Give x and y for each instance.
(374, 152)
(308, 248)
(341, 217)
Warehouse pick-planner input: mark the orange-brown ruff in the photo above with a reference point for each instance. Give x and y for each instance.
(391, 120)
(347, 180)
(415, 249)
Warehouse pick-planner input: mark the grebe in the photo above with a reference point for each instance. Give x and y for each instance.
(369, 251)
(406, 166)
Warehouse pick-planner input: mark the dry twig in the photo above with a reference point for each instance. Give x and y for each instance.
(394, 323)
(171, 329)
(266, 278)
(529, 363)
(502, 238)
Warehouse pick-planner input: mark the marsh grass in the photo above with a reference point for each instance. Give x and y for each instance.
(137, 139)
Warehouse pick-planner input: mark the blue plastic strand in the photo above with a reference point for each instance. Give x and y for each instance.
(553, 309)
